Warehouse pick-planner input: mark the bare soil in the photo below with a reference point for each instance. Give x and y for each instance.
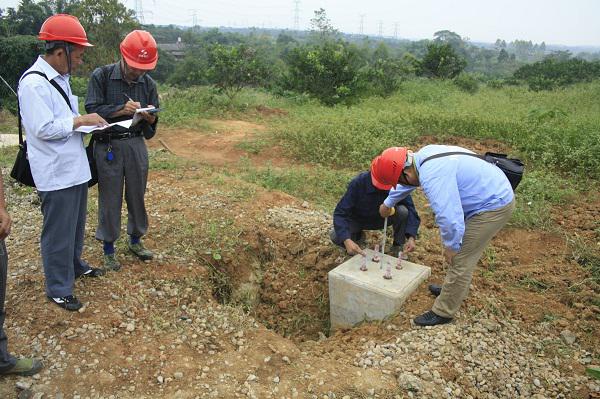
(236, 302)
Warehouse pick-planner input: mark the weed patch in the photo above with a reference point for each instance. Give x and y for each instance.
(316, 184)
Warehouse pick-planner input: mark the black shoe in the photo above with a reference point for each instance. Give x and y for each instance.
(431, 319)
(435, 289)
(68, 302)
(93, 272)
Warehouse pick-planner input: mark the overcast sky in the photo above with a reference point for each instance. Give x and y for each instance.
(569, 22)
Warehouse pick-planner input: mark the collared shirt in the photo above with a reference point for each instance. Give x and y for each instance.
(457, 187)
(361, 203)
(108, 91)
(56, 152)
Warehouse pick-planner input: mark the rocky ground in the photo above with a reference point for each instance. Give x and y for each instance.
(235, 305)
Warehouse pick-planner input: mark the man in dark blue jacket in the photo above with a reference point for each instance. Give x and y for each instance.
(358, 210)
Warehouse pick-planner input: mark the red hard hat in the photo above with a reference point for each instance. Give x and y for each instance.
(65, 28)
(387, 167)
(139, 50)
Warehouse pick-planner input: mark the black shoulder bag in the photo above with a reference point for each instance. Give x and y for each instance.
(21, 170)
(513, 168)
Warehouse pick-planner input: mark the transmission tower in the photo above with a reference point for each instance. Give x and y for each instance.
(380, 28)
(296, 15)
(361, 29)
(139, 11)
(194, 19)
(396, 30)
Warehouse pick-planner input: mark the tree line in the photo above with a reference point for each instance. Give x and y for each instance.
(322, 63)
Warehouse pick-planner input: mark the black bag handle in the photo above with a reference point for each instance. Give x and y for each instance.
(53, 83)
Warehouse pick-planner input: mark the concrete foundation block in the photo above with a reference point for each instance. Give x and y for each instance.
(356, 295)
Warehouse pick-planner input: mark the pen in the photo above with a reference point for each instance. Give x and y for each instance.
(129, 98)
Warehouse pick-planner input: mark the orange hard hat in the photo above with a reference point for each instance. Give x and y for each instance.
(387, 167)
(63, 28)
(139, 50)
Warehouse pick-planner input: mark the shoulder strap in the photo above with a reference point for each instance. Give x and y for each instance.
(445, 154)
(53, 83)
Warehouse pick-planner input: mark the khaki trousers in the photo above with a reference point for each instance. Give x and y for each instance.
(479, 230)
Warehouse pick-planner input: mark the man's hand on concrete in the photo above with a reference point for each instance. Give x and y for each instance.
(5, 223)
(410, 245)
(353, 248)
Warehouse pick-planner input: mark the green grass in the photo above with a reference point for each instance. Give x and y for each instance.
(533, 284)
(8, 122)
(319, 185)
(163, 160)
(558, 129)
(584, 253)
(189, 106)
(7, 157)
(538, 192)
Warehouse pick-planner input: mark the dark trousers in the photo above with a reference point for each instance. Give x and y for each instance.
(398, 222)
(6, 360)
(129, 169)
(63, 231)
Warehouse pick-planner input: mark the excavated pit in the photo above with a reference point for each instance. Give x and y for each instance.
(280, 278)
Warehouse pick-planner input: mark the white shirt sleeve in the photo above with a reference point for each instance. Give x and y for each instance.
(35, 102)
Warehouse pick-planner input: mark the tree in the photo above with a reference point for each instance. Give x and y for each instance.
(106, 22)
(328, 71)
(231, 68)
(321, 25)
(27, 19)
(164, 67)
(441, 61)
(17, 54)
(384, 73)
(447, 36)
(503, 56)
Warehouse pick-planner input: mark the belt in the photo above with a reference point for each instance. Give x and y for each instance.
(106, 137)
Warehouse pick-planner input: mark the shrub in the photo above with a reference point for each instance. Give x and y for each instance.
(466, 83)
(79, 86)
(495, 83)
(551, 73)
(328, 71)
(17, 53)
(231, 68)
(442, 61)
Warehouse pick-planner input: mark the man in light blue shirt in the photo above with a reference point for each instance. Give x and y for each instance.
(57, 156)
(472, 200)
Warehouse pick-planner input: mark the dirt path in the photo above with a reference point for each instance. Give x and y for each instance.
(221, 143)
(236, 302)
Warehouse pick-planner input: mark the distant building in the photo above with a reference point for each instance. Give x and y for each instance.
(177, 49)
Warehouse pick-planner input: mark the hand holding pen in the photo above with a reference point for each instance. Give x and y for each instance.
(130, 106)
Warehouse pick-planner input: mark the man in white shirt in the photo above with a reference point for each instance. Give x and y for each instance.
(57, 155)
